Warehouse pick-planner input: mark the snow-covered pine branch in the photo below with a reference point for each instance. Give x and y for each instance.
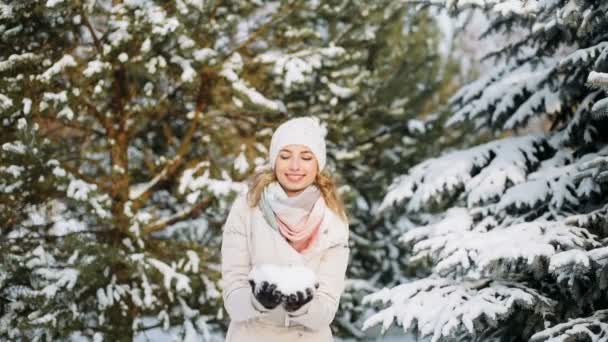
(483, 172)
(599, 80)
(441, 308)
(592, 328)
(459, 248)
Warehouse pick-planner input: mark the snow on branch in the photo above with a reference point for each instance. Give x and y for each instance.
(504, 177)
(500, 96)
(58, 280)
(299, 69)
(599, 80)
(57, 68)
(182, 282)
(592, 328)
(583, 56)
(501, 162)
(547, 97)
(573, 129)
(230, 70)
(440, 308)
(218, 187)
(459, 248)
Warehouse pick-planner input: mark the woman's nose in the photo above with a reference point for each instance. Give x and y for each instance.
(294, 164)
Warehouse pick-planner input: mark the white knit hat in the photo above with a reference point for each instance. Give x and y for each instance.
(305, 131)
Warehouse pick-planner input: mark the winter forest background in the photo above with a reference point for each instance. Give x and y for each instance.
(469, 139)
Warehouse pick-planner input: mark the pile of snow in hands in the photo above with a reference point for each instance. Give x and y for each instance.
(288, 279)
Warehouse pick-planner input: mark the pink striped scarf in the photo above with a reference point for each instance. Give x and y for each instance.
(297, 218)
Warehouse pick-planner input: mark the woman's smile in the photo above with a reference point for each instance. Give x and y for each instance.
(294, 177)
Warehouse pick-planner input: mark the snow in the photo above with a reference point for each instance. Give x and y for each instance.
(600, 108)
(415, 125)
(598, 79)
(593, 328)
(14, 59)
(27, 106)
(546, 96)
(5, 102)
(256, 98)
(79, 189)
(59, 97)
(14, 147)
(119, 34)
(68, 226)
(240, 163)
(204, 55)
(145, 46)
(437, 307)
(185, 42)
(571, 257)
(289, 279)
(525, 195)
(63, 63)
(339, 91)
(219, 187)
(94, 67)
(188, 72)
(500, 161)
(63, 278)
(583, 55)
(66, 112)
(230, 71)
(193, 263)
(53, 3)
(297, 68)
(59, 172)
(21, 124)
(499, 89)
(182, 282)
(13, 170)
(297, 71)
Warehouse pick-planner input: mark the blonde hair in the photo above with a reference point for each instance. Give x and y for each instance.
(323, 181)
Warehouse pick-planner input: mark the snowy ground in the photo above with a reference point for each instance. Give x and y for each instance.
(158, 335)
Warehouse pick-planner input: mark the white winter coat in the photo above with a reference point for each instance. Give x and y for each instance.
(248, 241)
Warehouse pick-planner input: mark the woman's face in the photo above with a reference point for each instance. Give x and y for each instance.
(296, 168)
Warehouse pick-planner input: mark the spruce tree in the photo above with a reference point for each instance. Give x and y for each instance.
(513, 233)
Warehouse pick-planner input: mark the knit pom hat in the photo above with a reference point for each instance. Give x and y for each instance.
(305, 131)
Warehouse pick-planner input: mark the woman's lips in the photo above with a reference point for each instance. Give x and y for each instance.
(294, 178)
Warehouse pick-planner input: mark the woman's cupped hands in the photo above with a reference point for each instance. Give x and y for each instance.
(289, 286)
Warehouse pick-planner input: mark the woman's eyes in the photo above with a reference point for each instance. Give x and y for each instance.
(303, 158)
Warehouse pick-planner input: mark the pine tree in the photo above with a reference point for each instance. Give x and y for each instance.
(513, 232)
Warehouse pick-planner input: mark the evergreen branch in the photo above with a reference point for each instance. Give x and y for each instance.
(171, 168)
(87, 23)
(102, 119)
(39, 237)
(69, 124)
(190, 212)
(276, 18)
(102, 186)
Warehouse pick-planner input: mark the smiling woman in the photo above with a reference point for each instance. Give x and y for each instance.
(291, 221)
(296, 168)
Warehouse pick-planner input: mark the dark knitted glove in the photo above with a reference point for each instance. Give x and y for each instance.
(266, 294)
(296, 300)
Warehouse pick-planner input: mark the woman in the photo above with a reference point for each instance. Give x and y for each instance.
(291, 216)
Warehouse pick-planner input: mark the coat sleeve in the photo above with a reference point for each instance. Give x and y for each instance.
(320, 312)
(236, 264)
